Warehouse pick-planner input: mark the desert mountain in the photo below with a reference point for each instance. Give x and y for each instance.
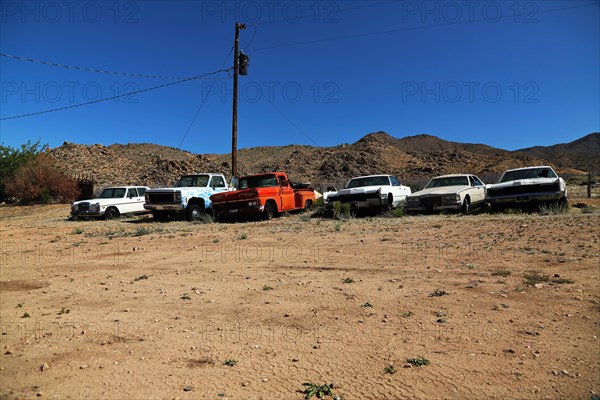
(582, 154)
(413, 159)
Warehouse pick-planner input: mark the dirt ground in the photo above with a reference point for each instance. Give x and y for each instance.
(133, 309)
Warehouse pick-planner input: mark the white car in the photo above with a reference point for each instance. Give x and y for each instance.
(529, 185)
(112, 202)
(371, 192)
(448, 192)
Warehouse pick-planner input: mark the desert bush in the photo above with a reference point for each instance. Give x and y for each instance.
(12, 159)
(38, 181)
(560, 207)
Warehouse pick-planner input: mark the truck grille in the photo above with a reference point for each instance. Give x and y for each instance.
(526, 189)
(83, 207)
(160, 198)
(349, 198)
(431, 201)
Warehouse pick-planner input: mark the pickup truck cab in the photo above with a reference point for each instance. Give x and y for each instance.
(371, 192)
(189, 198)
(263, 195)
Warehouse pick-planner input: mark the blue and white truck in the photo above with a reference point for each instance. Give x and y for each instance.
(189, 198)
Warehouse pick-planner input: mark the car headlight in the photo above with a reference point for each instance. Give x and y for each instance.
(449, 198)
(254, 203)
(147, 198)
(412, 200)
(178, 196)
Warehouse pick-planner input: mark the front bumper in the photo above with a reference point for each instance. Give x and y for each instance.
(359, 201)
(525, 198)
(435, 207)
(164, 207)
(238, 208)
(79, 213)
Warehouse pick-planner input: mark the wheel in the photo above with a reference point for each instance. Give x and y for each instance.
(111, 213)
(308, 206)
(269, 212)
(160, 215)
(194, 212)
(466, 207)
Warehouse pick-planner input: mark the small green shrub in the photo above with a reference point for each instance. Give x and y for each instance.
(417, 361)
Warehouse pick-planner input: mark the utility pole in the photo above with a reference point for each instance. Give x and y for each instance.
(238, 27)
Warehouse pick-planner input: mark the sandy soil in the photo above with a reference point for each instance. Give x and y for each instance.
(136, 309)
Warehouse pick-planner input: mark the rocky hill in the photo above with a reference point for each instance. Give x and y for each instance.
(412, 159)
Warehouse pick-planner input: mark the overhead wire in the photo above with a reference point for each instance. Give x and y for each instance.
(411, 28)
(116, 97)
(202, 104)
(96, 70)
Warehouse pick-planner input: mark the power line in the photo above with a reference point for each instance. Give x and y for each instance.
(116, 97)
(412, 28)
(201, 105)
(292, 123)
(101, 71)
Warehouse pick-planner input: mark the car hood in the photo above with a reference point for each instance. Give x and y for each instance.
(440, 191)
(524, 182)
(104, 202)
(358, 190)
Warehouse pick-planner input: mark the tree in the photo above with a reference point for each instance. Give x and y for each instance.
(11, 159)
(39, 181)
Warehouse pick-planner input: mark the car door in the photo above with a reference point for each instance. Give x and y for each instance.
(287, 194)
(130, 203)
(478, 189)
(400, 192)
(217, 184)
(140, 199)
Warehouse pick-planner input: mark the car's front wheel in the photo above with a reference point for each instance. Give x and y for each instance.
(194, 212)
(466, 207)
(111, 213)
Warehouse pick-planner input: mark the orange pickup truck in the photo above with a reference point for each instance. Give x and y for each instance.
(264, 195)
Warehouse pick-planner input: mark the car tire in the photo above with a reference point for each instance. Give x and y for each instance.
(111, 213)
(269, 211)
(194, 212)
(466, 207)
(308, 206)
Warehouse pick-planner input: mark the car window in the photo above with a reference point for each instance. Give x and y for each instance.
(395, 181)
(141, 191)
(448, 181)
(368, 181)
(217, 181)
(477, 181)
(192, 181)
(529, 173)
(257, 181)
(132, 193)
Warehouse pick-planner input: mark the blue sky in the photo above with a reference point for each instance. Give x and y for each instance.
(510, 74)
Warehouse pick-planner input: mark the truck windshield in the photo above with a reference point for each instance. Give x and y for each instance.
(257, 181)
(368, 181)
(112, 193)
(530, 173)
(449, 181)
(192, 181)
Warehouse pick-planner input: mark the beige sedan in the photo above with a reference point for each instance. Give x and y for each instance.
(446, 193)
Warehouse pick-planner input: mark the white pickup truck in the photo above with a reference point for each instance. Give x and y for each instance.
(189, 198)
(381, 192)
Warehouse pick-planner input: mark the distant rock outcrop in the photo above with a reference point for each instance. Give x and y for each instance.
(414, 158)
